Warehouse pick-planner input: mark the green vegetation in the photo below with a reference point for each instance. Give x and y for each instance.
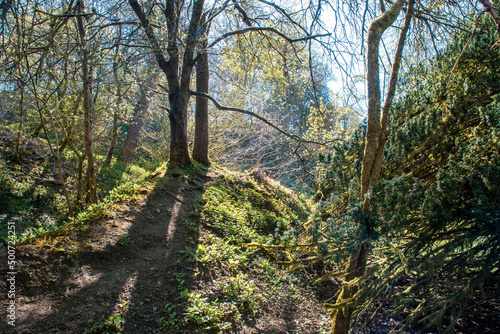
(30, 193)
(238, 283)
(436, 254)
(119, 173)
(118, 123)
(113, 324)
(110, 325)
(252, 212)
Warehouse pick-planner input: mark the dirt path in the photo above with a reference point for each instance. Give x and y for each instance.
(129, 267)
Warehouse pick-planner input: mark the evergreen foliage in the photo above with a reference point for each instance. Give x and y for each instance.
(436, 211)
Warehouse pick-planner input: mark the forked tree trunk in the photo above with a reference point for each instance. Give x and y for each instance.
(178, 76)
(127, 155)
(372, 160)
(200, 148)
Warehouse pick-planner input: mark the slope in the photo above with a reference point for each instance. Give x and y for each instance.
(167, 256)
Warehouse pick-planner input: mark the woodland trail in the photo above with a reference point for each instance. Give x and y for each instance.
(128, 267)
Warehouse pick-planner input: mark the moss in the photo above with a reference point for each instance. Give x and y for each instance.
(237, 283)
(238, 206)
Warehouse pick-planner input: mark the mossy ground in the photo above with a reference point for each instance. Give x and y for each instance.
(31, 193)
(240, 288)
(170, 254)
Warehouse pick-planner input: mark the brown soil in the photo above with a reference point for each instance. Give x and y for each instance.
(61, 293)
(68, 284)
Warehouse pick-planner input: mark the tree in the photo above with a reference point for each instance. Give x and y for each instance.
(178, 73)
(372, 158)
(128, 151)
(32, 69)
(368, 226)
(87, 104)
(201, 141)
(178, 76)
(118, 81)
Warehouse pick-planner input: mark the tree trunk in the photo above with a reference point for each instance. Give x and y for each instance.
(54, 152)
(178, 83)
(374, 142)
(127, 155)
(38, 129)
(114, 136)
(343, 314)
(200, 148)
(179, 151)
(87, 109)
(65, 141)
(79, 186)
(21, 120)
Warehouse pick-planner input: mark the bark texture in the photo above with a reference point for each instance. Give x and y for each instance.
(201, 139)
(373, 153)
(128, 152)
(87, 108)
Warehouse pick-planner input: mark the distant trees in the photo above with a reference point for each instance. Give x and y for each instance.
(128, 152)
(268, 75)
(195, 47)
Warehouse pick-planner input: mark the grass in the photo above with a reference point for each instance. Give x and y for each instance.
(31, 195)
(236, 284)
(118, 173)
(230, 285)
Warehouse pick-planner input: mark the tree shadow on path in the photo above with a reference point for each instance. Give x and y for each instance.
(127, 283)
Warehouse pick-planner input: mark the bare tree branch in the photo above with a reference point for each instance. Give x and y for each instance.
(270, 29)
(248, 20)
(250, 113)
(464, 49)
(282, 11)
(493, 13)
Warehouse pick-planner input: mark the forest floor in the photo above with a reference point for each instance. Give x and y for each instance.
(163, 255)
(128, 272)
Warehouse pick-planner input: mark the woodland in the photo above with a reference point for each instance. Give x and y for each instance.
(250, 166)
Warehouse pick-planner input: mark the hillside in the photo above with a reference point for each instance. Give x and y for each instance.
(168, 255)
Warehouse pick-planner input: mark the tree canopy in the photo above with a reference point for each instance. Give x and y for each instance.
(401, 165)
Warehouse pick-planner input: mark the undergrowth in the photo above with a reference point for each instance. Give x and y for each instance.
(237, 284)
(31, 193)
